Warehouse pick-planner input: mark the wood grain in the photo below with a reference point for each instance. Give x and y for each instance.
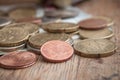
(78, 68)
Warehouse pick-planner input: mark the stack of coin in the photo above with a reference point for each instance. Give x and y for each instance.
(36, 41)
(60, 27)
(96, 28)
(28, 27)
(22, 12)
(12, 38)
(18, 60)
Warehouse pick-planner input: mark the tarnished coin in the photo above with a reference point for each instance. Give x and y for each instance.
(17, 59)
(10, 37)
(38, 40)
(56, 51)
(96, 23)
(105, 33)
(30, 27)
(60, 13)
(95, 48)
(4, 21)
(60, 27)
(24, 12)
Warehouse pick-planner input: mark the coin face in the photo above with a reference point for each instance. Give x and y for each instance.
(12, 37)
(29, 27)
(60, 13)
(20, 13)
(105, 33)
(95, 47)
(56, 51)
(38, 40)
(18, 59)
(4, 21)
(95, 23)
(60, 27)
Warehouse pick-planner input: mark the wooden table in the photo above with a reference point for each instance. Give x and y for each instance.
(78, 68)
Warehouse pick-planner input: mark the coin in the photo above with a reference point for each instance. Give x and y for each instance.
(4, 21)
(60, 27)
(10, 37)
(94, 48)
(18, 59)
(60, 13)
(105, 33)
(96, 23)
(30, 27)
(23, 12)
(38, 40)
(56, 51)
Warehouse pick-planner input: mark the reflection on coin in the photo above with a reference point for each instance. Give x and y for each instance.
(60, 13)
(95, 47)
(4, 21)
(18, 59)
(38, 40)
(96, 23)
(10, 37)
(30, 27)
(56, 51)
(105, 33)
(60, 27)
(20, 13)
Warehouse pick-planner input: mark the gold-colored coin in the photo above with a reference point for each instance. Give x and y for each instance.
(60, 27)
(96, 34)
(20, 13)
(95, 47)
(10, 37)
(38, 40)
(30, 27)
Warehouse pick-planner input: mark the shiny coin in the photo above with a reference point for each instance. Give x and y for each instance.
(18, 59)
(105, 33)
(60, 27)
(94, 47)
(4, 21)
(38, 40)
(96, 23)
(10, 37)
(56, 51)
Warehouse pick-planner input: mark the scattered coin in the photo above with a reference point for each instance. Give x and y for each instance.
(105, 33)
(17, 60)
(10, 37)
(95, 47)
(4, 21)
(24, 12)
(96, 23)
(56, 51)
(60, 27)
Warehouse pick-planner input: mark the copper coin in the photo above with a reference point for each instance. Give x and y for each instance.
(23, 12)
(31, 19)
(10, 37)
(60, 13)
(94, 48)
(38, 40)
(56, 51)
(18, 59)
(60, 27)
(105, 33)
(95, 23)
(27, 26)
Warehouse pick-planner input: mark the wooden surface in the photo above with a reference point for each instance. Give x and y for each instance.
(78, 68)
